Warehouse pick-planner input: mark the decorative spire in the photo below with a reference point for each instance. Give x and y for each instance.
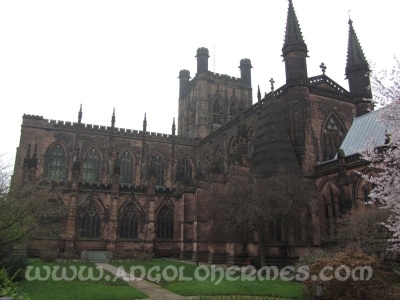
(259, 94)
(294, 50)
(355, 55)
(173, 127)
(357, 68)
(113, 119)
(144, 123)
(80, 115)
(293, 35)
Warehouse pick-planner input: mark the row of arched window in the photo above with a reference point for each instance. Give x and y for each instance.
(332, 136)
(56, 165)
(334, 207)
(130, 222)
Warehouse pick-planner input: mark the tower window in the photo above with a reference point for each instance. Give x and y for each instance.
(217, 118)
(232, 111)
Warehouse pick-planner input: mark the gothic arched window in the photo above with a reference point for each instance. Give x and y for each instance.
(332, 137)
(232, 111)
(90, 221)
(159, 168)
(218, 163)
(91, 165)
(186, 169)
(130, 221)
(206, 167)
(55, 162)
(126, 162)
(165, 223)
(217, 114)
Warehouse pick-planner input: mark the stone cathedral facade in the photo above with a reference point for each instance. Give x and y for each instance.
(130, 191)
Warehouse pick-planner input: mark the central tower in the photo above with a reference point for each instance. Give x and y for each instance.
(210, 100)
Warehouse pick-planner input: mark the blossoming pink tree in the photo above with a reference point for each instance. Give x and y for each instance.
(386, 158)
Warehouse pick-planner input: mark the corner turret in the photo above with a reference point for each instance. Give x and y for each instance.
(184, 77)
(202, 60)
(245, 72)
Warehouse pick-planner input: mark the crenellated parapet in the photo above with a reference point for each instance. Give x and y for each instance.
(224, 77)
(40, 122)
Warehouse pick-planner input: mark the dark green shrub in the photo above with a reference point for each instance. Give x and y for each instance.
(12, 264)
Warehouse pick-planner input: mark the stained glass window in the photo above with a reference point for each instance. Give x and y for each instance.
(165, 223)
(126, 162)
(91, 166)
(129, 223)
(55, 166)
(90, 221)
(333, 135)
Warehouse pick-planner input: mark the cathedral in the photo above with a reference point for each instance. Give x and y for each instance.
(132, 191)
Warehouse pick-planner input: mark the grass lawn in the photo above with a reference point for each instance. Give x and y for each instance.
(272, 288)
(106, 288)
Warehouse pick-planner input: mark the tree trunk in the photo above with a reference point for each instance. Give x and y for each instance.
(261, 248)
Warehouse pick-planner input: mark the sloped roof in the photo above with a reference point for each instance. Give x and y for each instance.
(362, 130)
(293, 34)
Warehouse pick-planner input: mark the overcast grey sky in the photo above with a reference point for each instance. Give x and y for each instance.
(56, 55)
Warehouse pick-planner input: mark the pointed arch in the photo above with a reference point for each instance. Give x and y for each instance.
(206, 166)
(218, 161)
(363, 187)
(165, 222)
(233, 151)
(56, 158)
(185, 169)
(127, 166)
(90, 217)
(330, 203)
(333, 133)
(130, 220)
(92, 164)
(232, 109)
(157, 169)
(251, 134)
